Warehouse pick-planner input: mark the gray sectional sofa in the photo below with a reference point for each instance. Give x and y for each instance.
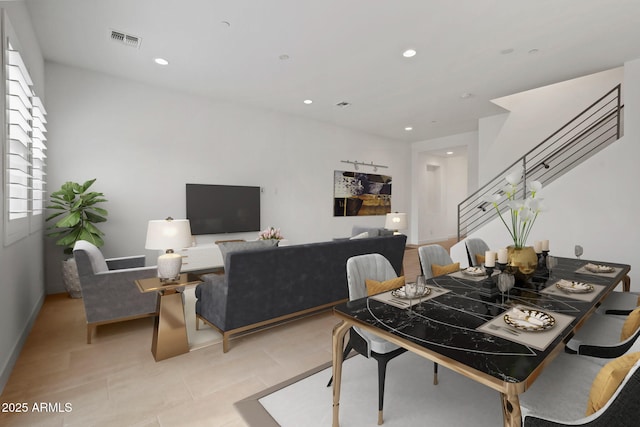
(268, 285)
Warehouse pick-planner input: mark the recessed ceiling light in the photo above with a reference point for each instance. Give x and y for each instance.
(408, 128)
(161, 61)
(466, 95)
(343, 104)
(283, 57)
(308, 101)
(506, 51)
(449, 153)
(409, 53)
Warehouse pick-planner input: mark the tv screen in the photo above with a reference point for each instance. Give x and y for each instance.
(218, 209)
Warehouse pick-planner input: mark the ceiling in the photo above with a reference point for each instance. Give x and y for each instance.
(273, 54)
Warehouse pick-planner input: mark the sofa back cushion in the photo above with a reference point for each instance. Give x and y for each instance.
(98, 263)
(265, 283)
(229, 247)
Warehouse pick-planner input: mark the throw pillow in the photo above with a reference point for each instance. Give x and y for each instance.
(479, 259)
(362, 235)
(608, 380)
(441, 270)
(376, 287)
(631, 325)
(229, 247)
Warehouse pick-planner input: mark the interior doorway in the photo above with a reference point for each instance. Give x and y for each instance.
(442, 184)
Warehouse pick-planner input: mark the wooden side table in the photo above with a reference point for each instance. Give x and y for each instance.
(169, 330)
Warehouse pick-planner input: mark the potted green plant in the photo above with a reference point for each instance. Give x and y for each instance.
(76, 213)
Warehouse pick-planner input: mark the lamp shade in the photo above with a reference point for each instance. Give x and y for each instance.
(168, 233)
(396, 221)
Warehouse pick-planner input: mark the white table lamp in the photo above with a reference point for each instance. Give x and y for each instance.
(396, 221)
(167, 235)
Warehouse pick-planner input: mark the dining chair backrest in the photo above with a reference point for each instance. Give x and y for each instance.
(475, 247)
(432, 254)
(363, 267)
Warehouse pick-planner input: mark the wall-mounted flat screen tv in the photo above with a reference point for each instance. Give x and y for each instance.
(218, 209)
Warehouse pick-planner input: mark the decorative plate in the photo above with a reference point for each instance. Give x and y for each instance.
(399, 293)
(599, 268)
(574, 287)
(474, 271)
(520, 322)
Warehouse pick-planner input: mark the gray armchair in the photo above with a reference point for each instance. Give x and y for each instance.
(109, 292)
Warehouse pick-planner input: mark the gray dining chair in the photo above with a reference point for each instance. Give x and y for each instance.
(600, 337)
(560, 394)
(359, 269)
(432, 254)
(475, 246)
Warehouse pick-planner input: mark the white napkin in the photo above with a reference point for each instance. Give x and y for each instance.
(516, 313)
(566, 284)
(598, 267)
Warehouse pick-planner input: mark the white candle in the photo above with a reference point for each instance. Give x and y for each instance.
(503, 255)
(489, 259)
(537, 246)
(545, 245)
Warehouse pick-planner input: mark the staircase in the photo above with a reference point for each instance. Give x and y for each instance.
(595, 128)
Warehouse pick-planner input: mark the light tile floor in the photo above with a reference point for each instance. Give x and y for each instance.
(116, 382)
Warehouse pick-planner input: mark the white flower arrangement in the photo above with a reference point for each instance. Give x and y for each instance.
(270, 233)
(523, 212)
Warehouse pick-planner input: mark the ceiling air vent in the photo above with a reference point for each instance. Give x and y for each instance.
(125, 39)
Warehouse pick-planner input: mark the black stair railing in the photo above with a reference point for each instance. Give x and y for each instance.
(593, 129)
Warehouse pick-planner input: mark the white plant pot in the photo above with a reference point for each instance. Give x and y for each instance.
(70, 278)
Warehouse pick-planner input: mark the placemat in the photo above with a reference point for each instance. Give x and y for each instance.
(588, 297)
(539, 340)
(387, 298)
(461, 275)
(614, 273)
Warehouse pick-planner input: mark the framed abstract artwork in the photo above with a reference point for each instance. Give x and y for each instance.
(359, 194)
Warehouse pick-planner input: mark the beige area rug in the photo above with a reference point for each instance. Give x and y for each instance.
(411, 399)
(204, 337)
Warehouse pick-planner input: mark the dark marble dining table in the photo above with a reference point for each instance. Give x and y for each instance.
(443, 328)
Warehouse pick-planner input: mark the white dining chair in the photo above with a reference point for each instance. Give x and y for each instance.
(561, 395)
(432, 254)
(359, 269)
(601, 337)
(476, 246)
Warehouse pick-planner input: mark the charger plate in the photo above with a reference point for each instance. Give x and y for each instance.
(573, 287)
(547, 320)
(599, 268)
(474, 271)
(400, 293)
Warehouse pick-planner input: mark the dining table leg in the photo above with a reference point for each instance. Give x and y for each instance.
(339, 331)
(511, 410)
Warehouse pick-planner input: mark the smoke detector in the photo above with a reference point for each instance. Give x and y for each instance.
(125, 39)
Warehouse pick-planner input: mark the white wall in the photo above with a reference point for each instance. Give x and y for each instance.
(459, 178)
(533, 116)
(144, 143)
(22, 280)
(595, 204)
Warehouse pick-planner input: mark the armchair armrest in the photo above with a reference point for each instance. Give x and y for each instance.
(126, 262)
(211, 301)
